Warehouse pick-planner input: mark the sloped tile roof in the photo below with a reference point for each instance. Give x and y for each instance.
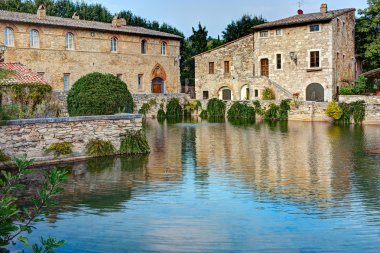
(375, 73)
(304, 19)
(81, 24)
(21, 75)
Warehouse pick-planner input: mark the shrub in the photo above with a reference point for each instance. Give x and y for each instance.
(133, 143)
(97, 147)
(258, 109)
(4, 157)
(346, 113)
(272, 112)
(334, 111)
(241, 111)
(284, 109)
(61, 148)
(144, 108)
(216, 108)
(99, 94)
(203, 114)
(268, 94)
(192, 106)
(358, 111)
(161, 115)
(174, 109)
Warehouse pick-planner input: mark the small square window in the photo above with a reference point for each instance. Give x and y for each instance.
(314, 28)
(41, 74)
(279, 32)
(205, 94)
(256, 93)
(139, 81)
(264, 34)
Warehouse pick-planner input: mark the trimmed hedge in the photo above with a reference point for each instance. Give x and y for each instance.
(99, 94)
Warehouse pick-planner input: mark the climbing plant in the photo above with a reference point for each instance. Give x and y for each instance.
(216, 108)
(272, 112)
(343, 112)
(97, 147)
(358, 111)
(284, 109)
(60, 148)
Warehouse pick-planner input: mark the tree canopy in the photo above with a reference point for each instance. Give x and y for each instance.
(368, 35)
(241, 27)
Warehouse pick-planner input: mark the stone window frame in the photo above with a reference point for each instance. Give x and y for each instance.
(281, 32)
(309, 58)
(66, 76)
(67, 44)
(211, 68)
(282, 60)
(114, 44)
(9, 36)
(316, 24)
(263, 32)
(144, 46)
(34, 41)
(164, 48)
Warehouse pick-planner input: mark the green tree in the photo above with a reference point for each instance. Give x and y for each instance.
(16, 219)
(241, 27)
(368, 35)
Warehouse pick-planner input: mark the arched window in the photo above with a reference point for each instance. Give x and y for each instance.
(225, 93)
(113, 44)
(34, 39)
(315, 92)
(8, 37)
(143, 46)
(163, 48)
(69, 41)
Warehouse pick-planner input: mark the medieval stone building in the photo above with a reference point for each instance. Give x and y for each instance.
(64, 49)
(309, 54)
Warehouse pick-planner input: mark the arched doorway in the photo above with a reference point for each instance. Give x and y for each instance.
(225, 93)
(245, 93)
(315, 92)
(158, 85)
(158, 79)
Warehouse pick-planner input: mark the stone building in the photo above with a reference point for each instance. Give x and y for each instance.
(309, 54)
(64, 49)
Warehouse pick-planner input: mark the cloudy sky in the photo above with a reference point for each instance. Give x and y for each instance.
(216, 14)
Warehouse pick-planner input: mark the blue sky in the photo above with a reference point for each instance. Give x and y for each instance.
(216, 14)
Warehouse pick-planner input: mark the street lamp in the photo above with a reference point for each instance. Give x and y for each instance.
(3, 48)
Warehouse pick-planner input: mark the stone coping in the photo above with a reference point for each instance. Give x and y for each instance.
(71, 119)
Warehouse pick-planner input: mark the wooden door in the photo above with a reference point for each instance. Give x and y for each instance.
(157, 88)
(265, 67)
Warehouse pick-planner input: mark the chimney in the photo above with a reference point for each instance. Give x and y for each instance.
(75, 16)
(323, 8)
(41, 12)
(118, 22)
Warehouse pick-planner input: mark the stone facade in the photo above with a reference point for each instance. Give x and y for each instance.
(239, 56)
(92, 53)
(34, 136)
(279, 55)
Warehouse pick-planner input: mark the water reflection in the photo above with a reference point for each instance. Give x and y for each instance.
(219, 187)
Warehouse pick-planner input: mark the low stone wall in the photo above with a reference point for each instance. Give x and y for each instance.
(312, 111)
(352, 98)
(34, 136)
(155, 100)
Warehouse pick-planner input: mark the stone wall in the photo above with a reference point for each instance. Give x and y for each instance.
(92, 53)
(34, 136)
(155, 100)
(239, 54)
(375, 100)
(310, 111)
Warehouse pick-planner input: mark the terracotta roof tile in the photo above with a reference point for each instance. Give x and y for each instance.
(21, 75)
(304, 19)
(81, 24)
